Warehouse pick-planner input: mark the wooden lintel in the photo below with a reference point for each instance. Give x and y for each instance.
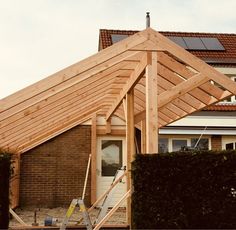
(130, 147)
(93, 159)
(114, 132)
(151, 105)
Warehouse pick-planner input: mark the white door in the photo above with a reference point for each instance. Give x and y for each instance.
(110, 157)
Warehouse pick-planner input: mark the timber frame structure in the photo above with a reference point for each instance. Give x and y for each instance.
(145, 79)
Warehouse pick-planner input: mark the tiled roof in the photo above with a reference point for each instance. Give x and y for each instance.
(226, 57)
(221, 107)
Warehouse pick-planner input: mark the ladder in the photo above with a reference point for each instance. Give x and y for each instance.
(106, 197)
(74, 203)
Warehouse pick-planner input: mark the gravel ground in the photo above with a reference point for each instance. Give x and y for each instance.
(27, 215)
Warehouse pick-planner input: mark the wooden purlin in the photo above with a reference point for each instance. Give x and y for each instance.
(28, 134)
(55, 107)
(65, 84)
(74, 70)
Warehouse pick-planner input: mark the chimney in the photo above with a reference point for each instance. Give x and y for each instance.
(147, 19)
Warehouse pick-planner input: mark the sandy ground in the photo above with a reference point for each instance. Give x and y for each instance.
(27, 215)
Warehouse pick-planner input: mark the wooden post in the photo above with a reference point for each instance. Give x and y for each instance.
(15, 182)
(143, 136)
(130, 147)
(151, 104)
(94, 159)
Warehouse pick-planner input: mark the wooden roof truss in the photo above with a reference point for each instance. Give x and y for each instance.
(100, 83)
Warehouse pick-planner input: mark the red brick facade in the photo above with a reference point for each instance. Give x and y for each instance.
(53, 173)
(216, 142)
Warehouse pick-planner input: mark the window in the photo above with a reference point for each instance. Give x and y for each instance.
(163, 145)
(202, 144)
(111, 156)
(178, 144)
(230, 146)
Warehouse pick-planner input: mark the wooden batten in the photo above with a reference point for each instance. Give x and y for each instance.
(94, 159)
(130, 146)
(151, 104)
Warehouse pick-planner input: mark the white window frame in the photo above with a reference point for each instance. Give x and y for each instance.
(188, 138)
(233, 98)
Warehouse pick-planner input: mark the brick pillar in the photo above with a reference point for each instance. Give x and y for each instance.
(216, 142)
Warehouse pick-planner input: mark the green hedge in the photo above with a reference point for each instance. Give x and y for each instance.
(184, 190)
(5, 172)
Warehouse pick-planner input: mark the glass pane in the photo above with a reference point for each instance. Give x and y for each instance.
(203, 144)
(229, 146)
(163, 145)
(178, 144)
(111, 157)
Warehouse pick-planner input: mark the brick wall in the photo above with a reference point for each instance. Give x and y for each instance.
(53, 173)
(216, 142)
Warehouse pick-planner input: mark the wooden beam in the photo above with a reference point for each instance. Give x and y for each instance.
(124, 108)
(114, 132)
(134, 78)
(143, 137)
(203, 91)
(151, 104)
(181, 89)
(94, 159)
(130, 147)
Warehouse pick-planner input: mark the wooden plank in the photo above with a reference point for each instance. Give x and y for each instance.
(130, 147)
(112, 211)
(17, 217)
(151, 105)
(134, 78)
(94, 158)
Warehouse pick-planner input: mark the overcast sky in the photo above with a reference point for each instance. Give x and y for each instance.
(41, 37)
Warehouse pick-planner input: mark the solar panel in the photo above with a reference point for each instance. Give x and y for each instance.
(178, 40)
(194, 43)
(212, 44)
(118, 37)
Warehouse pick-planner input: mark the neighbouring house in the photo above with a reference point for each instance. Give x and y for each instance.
(155, 82)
